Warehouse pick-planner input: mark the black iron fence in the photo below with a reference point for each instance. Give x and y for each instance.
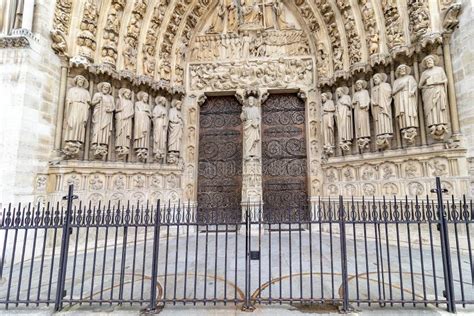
(384, 252)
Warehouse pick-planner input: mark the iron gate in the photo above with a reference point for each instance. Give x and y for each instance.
(365, 252)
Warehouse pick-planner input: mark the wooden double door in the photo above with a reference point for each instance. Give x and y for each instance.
(284, 158)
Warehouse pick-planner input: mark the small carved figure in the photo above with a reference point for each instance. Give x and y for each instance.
(78, 100)
(361, 103)
(329, 110)
(382, 110)
(102, 116)
(175, 131)
(123, 122)
(433, 85)
(159, 128)
(405, 91)
(344, 118)
(141, 131)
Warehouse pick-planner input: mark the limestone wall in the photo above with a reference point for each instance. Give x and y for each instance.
(29, 85)
(462, 51)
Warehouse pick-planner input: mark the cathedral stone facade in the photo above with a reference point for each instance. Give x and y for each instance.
(224, 102)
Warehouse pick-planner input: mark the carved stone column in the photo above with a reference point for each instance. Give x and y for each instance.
(252, 191)
(313, 142)
(191, 105)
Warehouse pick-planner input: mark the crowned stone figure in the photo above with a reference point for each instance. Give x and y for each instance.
(123, 122)
(433, 85)
(361, 103)
(382, 110)
(102, 119)
(405, 92)
(329, 110)
(78, 101)
(159, 128)
(344, 118)
(141, 131)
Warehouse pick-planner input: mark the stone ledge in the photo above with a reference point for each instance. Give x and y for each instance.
(19, 38)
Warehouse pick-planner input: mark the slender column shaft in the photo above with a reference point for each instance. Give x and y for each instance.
(453, 106)
(28, 11)
(61, 104)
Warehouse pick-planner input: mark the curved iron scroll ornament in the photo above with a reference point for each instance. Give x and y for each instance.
(220, 158)
(284, 156)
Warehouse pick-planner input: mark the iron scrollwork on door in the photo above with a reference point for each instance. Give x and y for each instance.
(220, 159)
(284, 156)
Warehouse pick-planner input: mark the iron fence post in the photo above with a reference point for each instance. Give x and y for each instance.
(153, 308)
(64, 250)
(445, 249)
(342, 232)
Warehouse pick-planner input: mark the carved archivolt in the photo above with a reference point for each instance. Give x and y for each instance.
(344, 36)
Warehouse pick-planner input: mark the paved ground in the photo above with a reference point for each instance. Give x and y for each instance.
(217, 270)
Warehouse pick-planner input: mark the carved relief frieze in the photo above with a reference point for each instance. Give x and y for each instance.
(282, 73)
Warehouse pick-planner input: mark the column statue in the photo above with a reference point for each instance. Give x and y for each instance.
(159, 128)
(382, 110)
(329, 110)
(141, 131)
(405, 92)
(251, 119)
(361, 104)
(102, 115)
(344, 118)
(78, 101)
(433, 85)
(175, 131)
(123, 122)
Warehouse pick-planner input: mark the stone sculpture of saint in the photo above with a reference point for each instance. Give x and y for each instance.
(382, 110)
(124, 112)
(361, 103)
(344, 118)
(329, 110)
(78, 101)
(251, 12)
(217, 25)
(102, 119)
(160, 128)
(175, 131)
(141, 130)
(433, 85)
(233, 15)
(405, 93)
(251, 119)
